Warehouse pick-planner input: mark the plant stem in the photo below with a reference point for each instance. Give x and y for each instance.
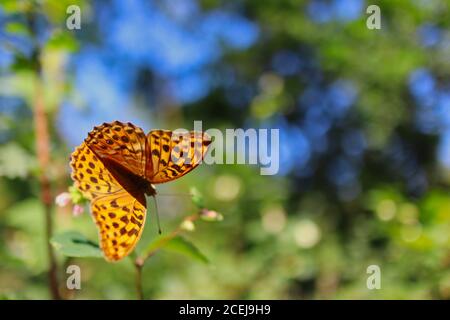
(139, 264)
(140, 261)
(43, 155)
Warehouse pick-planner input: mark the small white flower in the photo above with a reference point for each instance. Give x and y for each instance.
(63, 199)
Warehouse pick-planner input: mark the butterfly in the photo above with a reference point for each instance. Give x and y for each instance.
(115, 168)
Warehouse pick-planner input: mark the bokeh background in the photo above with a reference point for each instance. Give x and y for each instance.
(364, 119)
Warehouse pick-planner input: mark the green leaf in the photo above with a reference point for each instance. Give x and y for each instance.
(17, 28)
(183, 246)
(64, 41)
(77, 196)
(13, 6)
(158, 243)
(177, 244)
(197, 198)
(74, 244)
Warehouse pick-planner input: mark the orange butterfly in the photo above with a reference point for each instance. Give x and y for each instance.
(115, 168)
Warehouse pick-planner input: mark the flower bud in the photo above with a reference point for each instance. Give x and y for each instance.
(210, 215)
(63, 199)
(77, 210)
(187, 225)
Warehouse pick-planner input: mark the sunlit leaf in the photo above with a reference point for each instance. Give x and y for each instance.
(76, 196)
(64, 41)
(183, 246)
(177, 244)
(74, 244)
(17, 28)
(12, 6)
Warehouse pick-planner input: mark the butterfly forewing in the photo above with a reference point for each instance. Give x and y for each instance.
(123, 143)
(172, 155)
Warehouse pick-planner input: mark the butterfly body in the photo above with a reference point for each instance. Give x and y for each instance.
(135, 185)
(116, 167)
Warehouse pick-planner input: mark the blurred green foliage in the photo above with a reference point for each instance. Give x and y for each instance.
(282, 236)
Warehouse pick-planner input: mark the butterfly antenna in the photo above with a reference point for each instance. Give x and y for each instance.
(157, 215)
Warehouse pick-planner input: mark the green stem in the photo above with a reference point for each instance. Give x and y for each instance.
(139, 264)
(43, 155)
(140, 261)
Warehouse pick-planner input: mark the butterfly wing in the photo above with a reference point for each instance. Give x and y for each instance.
(90, 175)
(119, 216)
(105, 168)
(122, 143)
(170, 155)
(120, 219)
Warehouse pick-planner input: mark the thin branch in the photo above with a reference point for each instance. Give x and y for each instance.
(139, 262)
(43, 155)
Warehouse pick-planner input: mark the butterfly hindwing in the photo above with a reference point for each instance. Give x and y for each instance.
(120, 219)
(172, 155)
